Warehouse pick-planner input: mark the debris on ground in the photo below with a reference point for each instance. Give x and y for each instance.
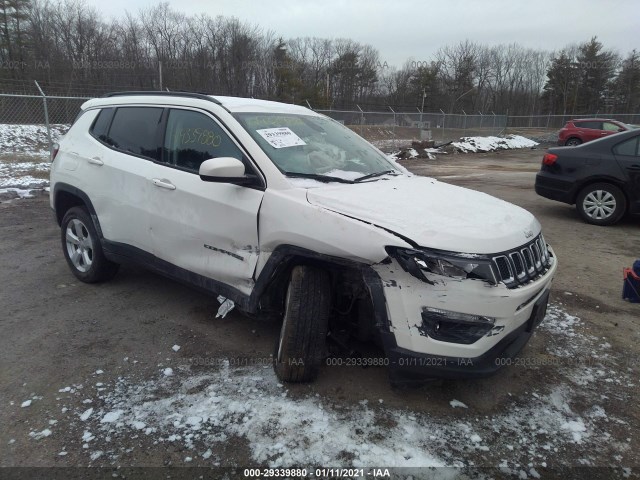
(226, 306)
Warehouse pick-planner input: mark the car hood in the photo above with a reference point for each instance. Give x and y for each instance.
(432, 214)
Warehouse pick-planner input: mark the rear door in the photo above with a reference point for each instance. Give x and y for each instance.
(589, 130)
(207, 228)
(125, 147)
(627, 154)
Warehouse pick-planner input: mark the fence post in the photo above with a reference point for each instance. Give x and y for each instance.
(444, 120)
(46, 120)
(493, 131)
(464, 125)
(506, 121)
(395, 142)
(361, 120)
(481, 118)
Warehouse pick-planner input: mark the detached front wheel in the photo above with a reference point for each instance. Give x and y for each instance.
(301, 346)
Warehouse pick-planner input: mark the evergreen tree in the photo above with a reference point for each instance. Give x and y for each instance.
(596, 68)
(562, 80)
(627, 85)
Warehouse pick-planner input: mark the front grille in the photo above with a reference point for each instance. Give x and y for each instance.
(523, 265)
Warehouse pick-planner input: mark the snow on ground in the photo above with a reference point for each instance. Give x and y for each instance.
(24, 159)
(491, 144)
(28, 140)
(390, 143)
(194, 412)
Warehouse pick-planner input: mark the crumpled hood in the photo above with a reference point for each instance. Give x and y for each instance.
(432, 214)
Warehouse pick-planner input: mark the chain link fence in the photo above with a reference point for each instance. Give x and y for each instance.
(394, 128)
(30, 123)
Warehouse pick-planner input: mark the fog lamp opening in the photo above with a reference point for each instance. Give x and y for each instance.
(454, 327)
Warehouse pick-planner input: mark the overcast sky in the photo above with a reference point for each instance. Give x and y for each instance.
(414, 29)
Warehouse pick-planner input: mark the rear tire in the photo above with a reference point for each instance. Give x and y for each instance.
(573, 142)
(301, 347)
(601, 204)
(82, 248)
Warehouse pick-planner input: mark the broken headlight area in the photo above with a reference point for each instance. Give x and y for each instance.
(460, 267)
(455, 327)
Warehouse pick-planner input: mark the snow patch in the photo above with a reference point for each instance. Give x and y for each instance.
(86, 414)
(457, 404)
(491, 144)
(38, 435)
(111, 416)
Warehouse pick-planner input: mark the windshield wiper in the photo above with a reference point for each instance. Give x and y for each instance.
(377, 174)
(317, 176)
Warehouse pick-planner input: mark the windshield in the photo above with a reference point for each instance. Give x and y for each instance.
(315, 147)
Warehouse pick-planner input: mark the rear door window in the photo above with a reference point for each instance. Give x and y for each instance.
(192, 137)
(589, 124)
(135, 130)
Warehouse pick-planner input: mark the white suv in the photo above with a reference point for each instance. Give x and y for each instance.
(286, 212)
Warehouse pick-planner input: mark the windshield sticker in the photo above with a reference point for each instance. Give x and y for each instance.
(272, 121)
(281, 137)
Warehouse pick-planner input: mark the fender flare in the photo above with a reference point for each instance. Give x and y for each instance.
(65, 187)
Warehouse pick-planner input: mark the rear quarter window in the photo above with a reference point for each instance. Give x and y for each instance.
(101, 124)
(628, 147)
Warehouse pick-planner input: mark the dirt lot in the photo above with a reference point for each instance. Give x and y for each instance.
(84, 376)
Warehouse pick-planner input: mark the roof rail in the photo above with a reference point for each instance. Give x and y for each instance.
(162, 93)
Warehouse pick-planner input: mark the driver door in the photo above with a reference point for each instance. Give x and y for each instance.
(210, 229)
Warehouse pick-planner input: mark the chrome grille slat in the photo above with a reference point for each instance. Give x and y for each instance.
(528, 260)
(524, 264)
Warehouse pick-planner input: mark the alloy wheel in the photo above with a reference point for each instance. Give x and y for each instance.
(79, 245)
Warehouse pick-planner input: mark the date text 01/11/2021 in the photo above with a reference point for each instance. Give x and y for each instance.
(402, 362)
(316, 473)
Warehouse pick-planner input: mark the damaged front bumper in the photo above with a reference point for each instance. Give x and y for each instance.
(453, 328)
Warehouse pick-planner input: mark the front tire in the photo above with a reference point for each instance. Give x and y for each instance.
(601, 204)
(301, 346)
(82, 248)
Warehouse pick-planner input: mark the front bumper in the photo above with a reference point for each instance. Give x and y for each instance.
(412, 353)
(408, 365)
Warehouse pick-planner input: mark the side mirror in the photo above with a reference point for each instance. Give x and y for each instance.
(621, 130)
(225, 170)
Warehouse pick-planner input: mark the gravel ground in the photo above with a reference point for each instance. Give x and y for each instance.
(139, 373)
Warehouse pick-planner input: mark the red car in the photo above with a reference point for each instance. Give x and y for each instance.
(584, 130)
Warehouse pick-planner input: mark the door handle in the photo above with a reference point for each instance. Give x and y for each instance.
(163, 184)
(634, 167)
(96, 161)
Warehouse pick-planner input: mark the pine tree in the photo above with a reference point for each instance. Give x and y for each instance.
(14, 34)
(562, 80)
(627, 85)
(596, 69)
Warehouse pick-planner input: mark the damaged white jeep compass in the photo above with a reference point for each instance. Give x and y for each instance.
(288, 213)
